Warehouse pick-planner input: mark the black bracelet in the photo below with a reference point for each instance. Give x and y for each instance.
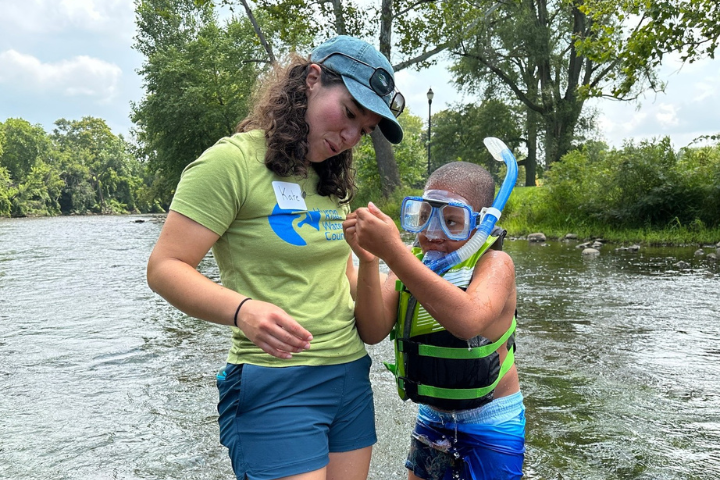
(238, 310)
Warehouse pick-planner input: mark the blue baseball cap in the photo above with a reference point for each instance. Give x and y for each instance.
(368, 76)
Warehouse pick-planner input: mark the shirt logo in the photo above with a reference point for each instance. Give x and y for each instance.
(283, 223)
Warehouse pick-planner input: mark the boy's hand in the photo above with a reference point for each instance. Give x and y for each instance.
(376, 232)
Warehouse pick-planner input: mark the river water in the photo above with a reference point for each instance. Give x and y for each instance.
(619, 359)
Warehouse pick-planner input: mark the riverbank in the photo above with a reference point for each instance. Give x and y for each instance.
(526, 213)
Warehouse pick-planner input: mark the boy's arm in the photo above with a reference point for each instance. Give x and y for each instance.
(375, 304)
(483, 309)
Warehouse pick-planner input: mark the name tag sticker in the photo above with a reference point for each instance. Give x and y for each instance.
(289, 196)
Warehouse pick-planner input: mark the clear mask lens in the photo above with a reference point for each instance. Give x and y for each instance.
(438, 219)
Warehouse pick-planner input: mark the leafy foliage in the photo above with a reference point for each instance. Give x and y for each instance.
(551, 57)
(82, 167)
(645, 185)
(7, 192)
(648, 30)
(24, 146)
(197, 89)
(458, 133)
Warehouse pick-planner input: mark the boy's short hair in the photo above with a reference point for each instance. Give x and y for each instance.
(469, 180)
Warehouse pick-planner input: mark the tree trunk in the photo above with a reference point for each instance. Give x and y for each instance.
(530, 163)
(339, 17)
(560, 129)
(387, 167)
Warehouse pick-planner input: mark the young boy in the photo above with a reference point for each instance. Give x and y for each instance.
(453, 333)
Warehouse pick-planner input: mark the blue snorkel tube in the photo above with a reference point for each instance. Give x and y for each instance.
(501, 153)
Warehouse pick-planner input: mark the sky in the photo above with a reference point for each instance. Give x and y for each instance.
(74, 58)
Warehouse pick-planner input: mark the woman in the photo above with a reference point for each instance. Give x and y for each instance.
(295, 397)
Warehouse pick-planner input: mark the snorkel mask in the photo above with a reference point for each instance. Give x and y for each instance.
(488, 216)
(439, 215)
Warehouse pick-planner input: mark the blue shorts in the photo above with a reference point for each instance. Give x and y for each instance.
(486, 443)
(284, 421)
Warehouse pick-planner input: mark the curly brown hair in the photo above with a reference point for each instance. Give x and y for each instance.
(279, 110)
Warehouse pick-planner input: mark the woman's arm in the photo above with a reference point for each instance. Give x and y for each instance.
(172, 273)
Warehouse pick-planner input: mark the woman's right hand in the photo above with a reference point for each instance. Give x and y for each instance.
(272, 329)
(172, 273)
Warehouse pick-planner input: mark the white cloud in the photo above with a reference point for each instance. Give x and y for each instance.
(52, 16)
(79, 76)
(667, 115)
(617, 121)
(81, 11)
(704, 90)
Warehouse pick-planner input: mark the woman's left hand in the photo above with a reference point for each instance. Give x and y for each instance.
(351, 237)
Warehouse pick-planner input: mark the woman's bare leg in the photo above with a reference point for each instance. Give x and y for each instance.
(352, 465)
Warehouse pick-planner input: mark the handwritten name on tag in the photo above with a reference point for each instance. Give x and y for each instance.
(289, 196)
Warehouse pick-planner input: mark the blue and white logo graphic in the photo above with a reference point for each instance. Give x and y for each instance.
(281, 222)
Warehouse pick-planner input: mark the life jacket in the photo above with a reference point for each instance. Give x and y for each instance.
(434, 367)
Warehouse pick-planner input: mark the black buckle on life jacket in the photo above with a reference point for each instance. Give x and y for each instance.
(408, 346)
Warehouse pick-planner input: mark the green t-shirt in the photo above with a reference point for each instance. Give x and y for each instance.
(275, 246)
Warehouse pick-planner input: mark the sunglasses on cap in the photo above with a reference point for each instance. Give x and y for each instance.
(455, 219)
(381, 82)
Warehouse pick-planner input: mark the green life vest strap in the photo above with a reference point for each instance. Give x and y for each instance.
(464, 393)
(458, 353)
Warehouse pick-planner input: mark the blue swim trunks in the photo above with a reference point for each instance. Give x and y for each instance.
(486, 443)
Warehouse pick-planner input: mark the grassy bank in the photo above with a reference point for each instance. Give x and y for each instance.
(525, 213)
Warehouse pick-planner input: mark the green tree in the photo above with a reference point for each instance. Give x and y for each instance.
(166, 23)
(458, 133)
(197, 85)
(552, 57)
(39, 192)
(24, 146)
(7, 192)
(648, 30)
(99, 172)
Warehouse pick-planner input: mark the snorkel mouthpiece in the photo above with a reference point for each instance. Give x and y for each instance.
(501, 153)
(432, 256)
